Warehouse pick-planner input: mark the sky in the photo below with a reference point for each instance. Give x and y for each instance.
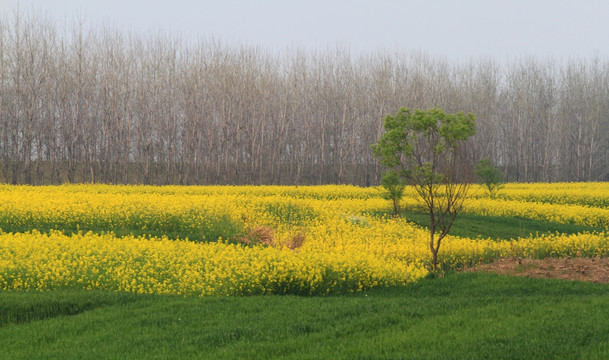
(453, 29)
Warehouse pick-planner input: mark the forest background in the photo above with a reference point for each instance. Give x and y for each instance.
(101, 105)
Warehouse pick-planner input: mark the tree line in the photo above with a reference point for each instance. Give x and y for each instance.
(97, 104)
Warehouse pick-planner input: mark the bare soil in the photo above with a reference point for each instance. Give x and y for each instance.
(579, 269)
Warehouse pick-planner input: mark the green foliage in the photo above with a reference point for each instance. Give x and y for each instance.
(394, 189)
(491, 177)
(423, 148)
(421, 135)
(479, 316)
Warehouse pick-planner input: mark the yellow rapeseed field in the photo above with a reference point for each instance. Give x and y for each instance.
(236, 240)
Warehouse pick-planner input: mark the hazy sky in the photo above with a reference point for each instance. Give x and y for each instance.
(457, 29)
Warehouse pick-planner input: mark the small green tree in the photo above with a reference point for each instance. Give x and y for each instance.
(394, 187)
(491, 177)
(425, 149)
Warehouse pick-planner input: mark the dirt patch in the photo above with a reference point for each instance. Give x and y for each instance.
(580, 269)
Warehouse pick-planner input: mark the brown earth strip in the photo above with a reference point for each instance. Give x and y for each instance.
(579, 269)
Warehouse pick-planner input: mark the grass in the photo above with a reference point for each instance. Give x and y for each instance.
(495, 227)
(172, 226)
(461, 316)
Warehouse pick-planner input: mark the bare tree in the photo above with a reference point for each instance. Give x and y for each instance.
(85, 104)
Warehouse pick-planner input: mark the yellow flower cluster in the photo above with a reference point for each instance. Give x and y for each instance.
(184, 209)
(458, 252)
(162, 266)
(575, 203)
(323, 239)
(573, 214)
(594, 194)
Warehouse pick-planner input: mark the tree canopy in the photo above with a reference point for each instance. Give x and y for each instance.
(425, 148)
(491, 177)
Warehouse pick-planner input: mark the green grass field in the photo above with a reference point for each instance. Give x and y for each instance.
(499, 228)
(460, 316)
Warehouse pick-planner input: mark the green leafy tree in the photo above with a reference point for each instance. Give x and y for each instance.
(425, 149)
(491, 177)
(394, 187)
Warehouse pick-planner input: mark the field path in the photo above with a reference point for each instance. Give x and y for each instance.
(580, 269)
